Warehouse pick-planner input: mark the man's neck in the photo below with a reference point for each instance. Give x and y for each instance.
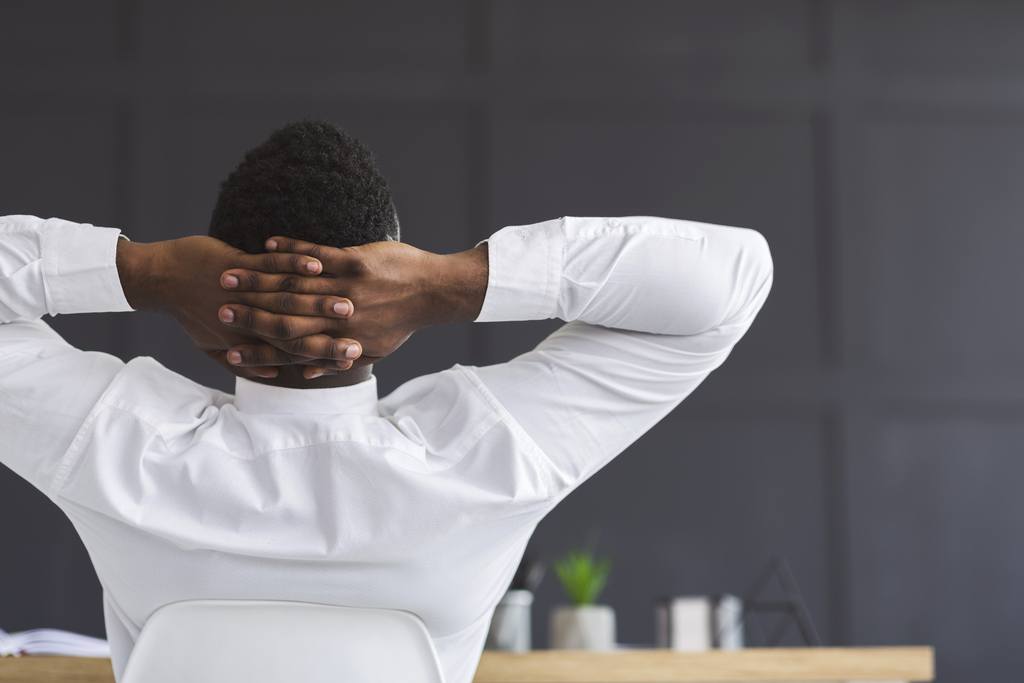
(290, 377)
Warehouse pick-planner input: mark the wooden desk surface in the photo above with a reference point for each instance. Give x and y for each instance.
(626, 666)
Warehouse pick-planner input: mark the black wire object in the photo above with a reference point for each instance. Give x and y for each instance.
(790, 607)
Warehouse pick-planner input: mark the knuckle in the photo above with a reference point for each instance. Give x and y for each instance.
(248, 318)
(289, 283)
(263, 354)
(357, 267)
(267, 263)
(285, 302)
(283, 328)
(252, 280)
(297, 347)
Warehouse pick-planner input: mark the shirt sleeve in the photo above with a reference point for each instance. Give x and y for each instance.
(48, 387)
(652, 306)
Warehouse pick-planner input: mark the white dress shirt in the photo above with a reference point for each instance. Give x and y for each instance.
(422, 500)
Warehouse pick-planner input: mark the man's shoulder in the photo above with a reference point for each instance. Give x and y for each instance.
(445, 406)
(432, 391)
(448, 411)
(153, 391)
(464, 428)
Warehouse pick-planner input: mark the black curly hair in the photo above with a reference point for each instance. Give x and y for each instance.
(309, 181)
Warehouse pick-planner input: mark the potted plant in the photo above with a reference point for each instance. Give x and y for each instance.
(583, 625)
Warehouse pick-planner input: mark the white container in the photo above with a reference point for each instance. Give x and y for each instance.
(685, 624)
(510, 625)
(587, 627)
(699, 623)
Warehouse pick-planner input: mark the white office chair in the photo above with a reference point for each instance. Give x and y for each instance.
(237, 641)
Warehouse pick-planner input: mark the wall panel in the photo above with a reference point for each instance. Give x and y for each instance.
(585, 35)
(940, 237)
(935, 510)
(307, 34)
(936, 38)
(49, 32)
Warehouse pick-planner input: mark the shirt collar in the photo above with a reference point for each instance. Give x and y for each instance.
(360, 399)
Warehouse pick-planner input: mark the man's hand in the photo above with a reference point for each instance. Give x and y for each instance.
(181, 277)
(379, 294)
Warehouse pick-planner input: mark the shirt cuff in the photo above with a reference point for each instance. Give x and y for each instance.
(525, 272)
(80, 268)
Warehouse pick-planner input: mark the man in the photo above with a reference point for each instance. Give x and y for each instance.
(422, 500)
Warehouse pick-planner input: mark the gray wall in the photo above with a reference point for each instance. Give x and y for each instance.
(867, 429)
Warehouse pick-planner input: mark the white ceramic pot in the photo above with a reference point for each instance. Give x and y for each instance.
(587, 627)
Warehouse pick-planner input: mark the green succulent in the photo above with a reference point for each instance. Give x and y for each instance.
(583, 576)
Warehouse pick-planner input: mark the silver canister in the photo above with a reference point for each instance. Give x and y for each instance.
(510, 625)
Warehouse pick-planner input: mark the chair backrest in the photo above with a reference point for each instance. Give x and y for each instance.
(238, 641)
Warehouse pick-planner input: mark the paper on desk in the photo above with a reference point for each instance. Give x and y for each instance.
(48, 641)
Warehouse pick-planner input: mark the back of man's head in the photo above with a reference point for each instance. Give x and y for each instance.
(309, 181)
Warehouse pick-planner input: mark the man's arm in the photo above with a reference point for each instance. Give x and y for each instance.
(652, 305)
(55, 267)
(47, 387)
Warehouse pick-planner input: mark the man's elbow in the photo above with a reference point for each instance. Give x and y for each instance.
(758, 270)
(730, 290)
(759, 257)
(751, 278)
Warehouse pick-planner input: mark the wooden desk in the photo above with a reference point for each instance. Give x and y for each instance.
(776, 665)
